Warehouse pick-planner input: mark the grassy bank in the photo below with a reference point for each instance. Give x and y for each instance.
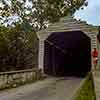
(87, 91)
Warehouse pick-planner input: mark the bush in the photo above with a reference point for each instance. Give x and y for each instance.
(18, 48)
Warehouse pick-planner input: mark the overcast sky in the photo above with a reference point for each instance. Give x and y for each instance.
(91, 13)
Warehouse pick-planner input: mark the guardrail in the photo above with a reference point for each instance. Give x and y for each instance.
(16, 78)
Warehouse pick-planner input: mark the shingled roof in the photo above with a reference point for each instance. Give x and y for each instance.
(70, 24)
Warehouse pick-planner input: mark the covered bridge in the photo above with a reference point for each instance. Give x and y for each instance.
(65, 47)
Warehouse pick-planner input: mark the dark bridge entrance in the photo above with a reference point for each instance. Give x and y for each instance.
(67, 54)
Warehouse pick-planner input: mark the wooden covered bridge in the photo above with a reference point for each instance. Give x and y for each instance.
(74, 38)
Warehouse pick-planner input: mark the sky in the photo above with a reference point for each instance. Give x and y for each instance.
(91, 13)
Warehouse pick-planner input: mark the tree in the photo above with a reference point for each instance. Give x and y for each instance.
(19, 44)
(18, 48)
(38, 13)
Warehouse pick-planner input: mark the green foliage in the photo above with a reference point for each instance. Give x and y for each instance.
(40, 12)
(87, 91)
(18, 47)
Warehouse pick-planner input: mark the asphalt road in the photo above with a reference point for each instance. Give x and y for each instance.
(48, 89)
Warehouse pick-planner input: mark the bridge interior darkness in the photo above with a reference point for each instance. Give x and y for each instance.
(67, 54)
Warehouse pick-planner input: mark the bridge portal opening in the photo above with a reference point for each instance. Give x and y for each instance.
(67, 54)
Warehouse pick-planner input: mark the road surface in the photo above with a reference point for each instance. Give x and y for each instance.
(48, 89)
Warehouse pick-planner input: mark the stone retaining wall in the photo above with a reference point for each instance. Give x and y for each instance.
(16, 78)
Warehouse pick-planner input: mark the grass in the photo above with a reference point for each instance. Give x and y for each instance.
(87, 91)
